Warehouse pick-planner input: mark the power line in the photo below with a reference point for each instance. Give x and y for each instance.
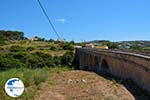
(50, 22)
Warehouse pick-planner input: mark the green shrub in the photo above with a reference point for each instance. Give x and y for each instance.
(40, 76)
(2, 42)
(20, 56)
(67, 58)
(28, 77)
(67, 46)
(39, 60)
(16, 48)
(53, 48)
(57, 60)
(51, 40)
(35, 62)
(9, 62)
(30, 48)
(22, 42)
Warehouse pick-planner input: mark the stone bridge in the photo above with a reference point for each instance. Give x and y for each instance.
(125, 65)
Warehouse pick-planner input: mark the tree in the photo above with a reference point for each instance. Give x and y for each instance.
(66, 46)
(67, 58)
(72, 42)
(11, 35)
(111, 45)
(51, 40)
(135, 47)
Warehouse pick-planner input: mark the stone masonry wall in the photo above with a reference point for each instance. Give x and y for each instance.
(124, 65)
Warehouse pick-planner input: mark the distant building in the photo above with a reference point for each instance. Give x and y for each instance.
(77, 46)
(89, 45)
(102, 47)
(34, 38)
(61, 40)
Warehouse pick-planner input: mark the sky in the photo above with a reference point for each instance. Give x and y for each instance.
(79, 20)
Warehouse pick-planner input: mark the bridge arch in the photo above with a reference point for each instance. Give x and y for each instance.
(104, 67)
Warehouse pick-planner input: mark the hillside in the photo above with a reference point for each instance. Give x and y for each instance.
(138, 42)
(124, 45)
(35, 54)
(50, 48)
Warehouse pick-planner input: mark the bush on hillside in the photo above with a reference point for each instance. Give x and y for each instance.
(2, 42)
(7, 62)
(67, 46)
(16, 49)
(51, 40)
(35, 60)
(54, 48)
(67, 58)
(57, 60)
(30, 48)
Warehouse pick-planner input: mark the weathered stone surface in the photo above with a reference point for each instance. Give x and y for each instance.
(123, 64)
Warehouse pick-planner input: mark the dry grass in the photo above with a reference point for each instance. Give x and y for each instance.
(81, 85)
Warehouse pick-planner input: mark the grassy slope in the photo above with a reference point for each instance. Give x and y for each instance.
(37, 45)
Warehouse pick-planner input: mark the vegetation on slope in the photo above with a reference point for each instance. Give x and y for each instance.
(35, 54)
(31, 61)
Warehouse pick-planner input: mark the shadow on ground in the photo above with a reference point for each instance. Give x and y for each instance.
(134, 89)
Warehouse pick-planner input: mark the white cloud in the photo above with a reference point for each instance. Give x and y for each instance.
(61, 20)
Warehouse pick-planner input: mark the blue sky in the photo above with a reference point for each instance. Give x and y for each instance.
(79, 20)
